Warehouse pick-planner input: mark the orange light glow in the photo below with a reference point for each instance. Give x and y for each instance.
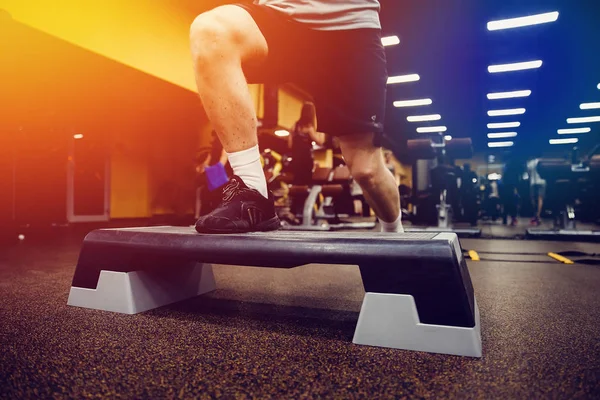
(78, 136)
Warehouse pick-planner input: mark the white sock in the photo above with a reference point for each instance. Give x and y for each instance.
(246, 164)
(395, 226)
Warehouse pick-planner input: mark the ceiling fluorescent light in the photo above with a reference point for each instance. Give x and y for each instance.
(492, 69)
(424, 118)
(510, 111)
(582, 120)
(403, 78)
(390, 40)
(500, 144)
(501, 135)
(522, 21)
(508, 95)
(447, 138)
(412, 103)
(432, 129)
(502, 125)
(589, 106)
(574, 130)
(564, 141)
(282, 133)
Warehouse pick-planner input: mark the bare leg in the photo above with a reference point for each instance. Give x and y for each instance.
(222, 40)
(367, 166)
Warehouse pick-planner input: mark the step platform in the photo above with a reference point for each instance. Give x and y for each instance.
(585, 235)
(419, 294)
(460, 232)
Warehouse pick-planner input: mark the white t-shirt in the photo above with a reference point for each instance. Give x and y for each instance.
(330, 15)
(534, 176)
(494, 189)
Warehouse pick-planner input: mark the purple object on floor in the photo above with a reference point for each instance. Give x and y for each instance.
(216, 176)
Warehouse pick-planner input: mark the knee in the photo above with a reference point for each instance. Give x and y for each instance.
(365, 176)
(211, 35)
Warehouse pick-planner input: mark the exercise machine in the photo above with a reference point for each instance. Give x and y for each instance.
(443, 182)
(325, 203)
(564, 178)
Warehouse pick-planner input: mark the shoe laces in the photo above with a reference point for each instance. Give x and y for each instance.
(230, 190)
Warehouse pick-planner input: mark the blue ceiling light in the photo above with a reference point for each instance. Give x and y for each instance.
(508, 95)
(589, 106)
(519, 66)
(424, 118)
(502, 113)
(522, 21)
(390, 40)
(432, 129)
(500, 144)
(403, 78)
(501, 135)
(564, 141)
(573, 131)
(503, 125)
(583, 120)
(412, 103)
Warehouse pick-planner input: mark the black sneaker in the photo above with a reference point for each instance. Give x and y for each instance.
(241, 210)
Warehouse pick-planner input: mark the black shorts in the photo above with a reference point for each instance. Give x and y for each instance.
(345, 71)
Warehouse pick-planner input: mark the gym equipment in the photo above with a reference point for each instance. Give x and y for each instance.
(321, 201)
(418, 297)
(563, 177)
(442, 176)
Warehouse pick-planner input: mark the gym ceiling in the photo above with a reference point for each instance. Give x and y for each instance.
(447, 43)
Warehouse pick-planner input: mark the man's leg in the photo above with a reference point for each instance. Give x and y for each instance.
(540, 205)
(222, 41)
(537, 204)
(534, 201)
(367, 167)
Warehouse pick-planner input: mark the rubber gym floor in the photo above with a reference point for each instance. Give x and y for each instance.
(287, 334)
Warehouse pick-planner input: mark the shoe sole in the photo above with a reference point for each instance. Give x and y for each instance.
(272, 224)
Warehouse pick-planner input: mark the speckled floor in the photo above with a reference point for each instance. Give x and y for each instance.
(286, 334)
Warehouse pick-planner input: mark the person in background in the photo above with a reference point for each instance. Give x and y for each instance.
(537, 187)
(509, 194)
(468, 195)
(338, 158)
(300, 141)
(493, 200)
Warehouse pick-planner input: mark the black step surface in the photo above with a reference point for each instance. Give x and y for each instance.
(428, 266)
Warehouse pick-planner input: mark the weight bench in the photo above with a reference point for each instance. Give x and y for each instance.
(418, 296)
(331, 185)
(309, 196)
